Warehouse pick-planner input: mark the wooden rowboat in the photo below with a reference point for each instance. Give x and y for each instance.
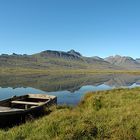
(16, 109)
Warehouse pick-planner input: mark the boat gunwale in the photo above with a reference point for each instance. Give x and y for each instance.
(8, 112)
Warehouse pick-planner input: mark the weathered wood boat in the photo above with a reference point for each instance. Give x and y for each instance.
(16, 109)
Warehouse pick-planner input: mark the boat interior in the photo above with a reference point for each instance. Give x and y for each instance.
(23, 102)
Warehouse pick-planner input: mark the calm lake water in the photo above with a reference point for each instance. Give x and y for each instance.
(69, 89)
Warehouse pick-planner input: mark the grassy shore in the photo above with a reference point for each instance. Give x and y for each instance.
(113, 114)
(58, 71)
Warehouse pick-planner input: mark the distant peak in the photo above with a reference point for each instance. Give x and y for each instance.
(118, 56)
(73, 52)
(97, 58)
(115, 56)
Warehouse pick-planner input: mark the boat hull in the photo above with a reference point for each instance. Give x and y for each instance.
(11, 118)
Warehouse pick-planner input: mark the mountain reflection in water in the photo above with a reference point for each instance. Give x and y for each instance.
(68, 88)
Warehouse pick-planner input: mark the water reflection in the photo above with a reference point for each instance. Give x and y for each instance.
(68, 88)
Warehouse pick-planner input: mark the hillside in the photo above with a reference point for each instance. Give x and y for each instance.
(56, 60)
(71, 60)
(124, 61)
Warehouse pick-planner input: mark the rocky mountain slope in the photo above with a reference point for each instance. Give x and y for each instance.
(72, 59)
(138, 60)
(68, 60)
(124, 61)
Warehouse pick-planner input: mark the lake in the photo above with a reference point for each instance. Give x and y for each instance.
(69, 89)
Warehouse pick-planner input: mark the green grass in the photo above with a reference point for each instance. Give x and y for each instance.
(59, 71)
(113, 114)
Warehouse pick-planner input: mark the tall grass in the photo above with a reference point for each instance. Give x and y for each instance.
(113, 114)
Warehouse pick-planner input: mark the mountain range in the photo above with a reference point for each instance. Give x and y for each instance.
(69, 60)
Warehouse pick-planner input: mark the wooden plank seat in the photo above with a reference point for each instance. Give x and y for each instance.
(9, 109)
(26, 103)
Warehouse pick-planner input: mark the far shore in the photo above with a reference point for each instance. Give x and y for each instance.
(18, 71)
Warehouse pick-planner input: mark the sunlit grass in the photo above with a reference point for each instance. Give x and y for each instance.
(59, 71)
(111, 114)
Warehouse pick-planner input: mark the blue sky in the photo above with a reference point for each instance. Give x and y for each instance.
(92, 27)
